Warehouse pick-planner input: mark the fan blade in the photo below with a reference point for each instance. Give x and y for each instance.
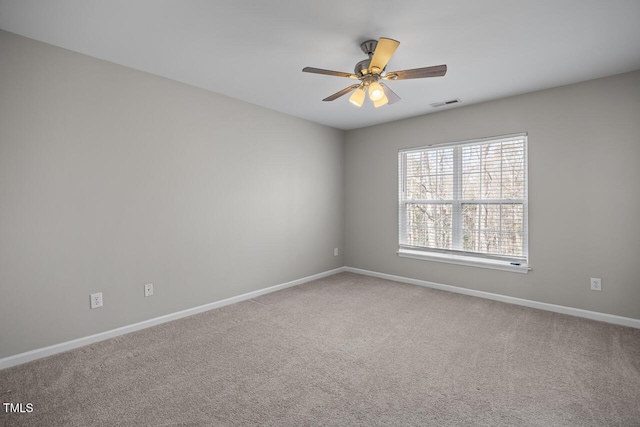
(384, 51)
(391, 95)
(328, 72)
(340, 93)
(417, 73)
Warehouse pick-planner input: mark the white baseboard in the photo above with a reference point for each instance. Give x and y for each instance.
(28, 356)
(594, 315)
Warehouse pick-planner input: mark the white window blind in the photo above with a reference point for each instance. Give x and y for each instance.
(467, 198)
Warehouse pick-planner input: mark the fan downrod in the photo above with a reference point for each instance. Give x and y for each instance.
(369, 47)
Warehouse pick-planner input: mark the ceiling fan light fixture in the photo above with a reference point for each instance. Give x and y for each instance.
(371, 70)
(376, 92)
(357, 98)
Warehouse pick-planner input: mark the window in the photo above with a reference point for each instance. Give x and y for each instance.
(466, 202)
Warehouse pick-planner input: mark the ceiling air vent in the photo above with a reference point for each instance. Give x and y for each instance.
(442, 104)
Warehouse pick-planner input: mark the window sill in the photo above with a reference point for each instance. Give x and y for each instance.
(469, 261)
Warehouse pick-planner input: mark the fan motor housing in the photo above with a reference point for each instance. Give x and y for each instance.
(362, 67)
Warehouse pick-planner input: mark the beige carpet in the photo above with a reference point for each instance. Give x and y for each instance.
(347, 350)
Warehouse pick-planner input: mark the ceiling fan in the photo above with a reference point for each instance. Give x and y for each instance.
(370, 71)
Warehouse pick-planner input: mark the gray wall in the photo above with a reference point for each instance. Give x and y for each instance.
(112, 178)
(584, 193)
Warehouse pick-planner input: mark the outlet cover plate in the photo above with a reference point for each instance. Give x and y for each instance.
(596, 284)
(96, 300)
(148, 289)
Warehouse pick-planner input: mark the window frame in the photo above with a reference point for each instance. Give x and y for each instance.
(457, 255)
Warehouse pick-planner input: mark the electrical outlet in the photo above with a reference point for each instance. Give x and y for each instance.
(148, 290)
(335, 252)
(596, 284)
(96, 300)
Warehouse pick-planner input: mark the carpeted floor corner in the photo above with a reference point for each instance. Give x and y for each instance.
(346, 350)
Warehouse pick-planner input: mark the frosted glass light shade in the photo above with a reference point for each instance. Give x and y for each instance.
(382, 101)
(357, 98)
(376, 92)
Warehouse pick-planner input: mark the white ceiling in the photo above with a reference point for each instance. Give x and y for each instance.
(254, 50)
